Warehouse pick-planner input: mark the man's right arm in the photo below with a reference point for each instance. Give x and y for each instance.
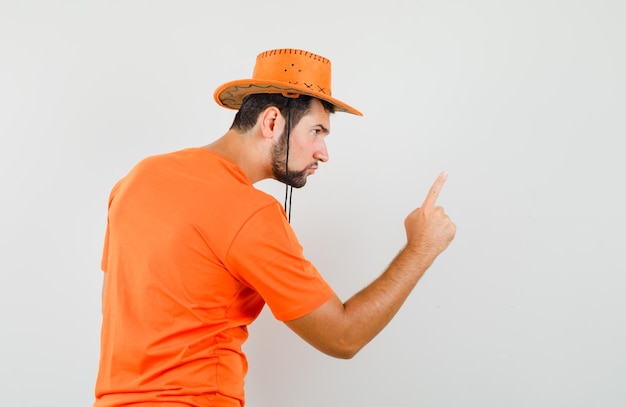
(342, 329)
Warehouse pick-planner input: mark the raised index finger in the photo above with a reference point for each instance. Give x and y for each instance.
(431, 198)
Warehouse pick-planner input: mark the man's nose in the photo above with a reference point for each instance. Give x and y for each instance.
(321, 154)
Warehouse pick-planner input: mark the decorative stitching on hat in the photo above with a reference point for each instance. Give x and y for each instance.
(316, 57)
(231, 95)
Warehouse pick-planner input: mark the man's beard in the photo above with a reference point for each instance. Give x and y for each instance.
(296, 179)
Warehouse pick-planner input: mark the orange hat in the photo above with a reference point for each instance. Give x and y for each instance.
(292, 72)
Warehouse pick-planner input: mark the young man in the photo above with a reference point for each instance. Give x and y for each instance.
(193, 251)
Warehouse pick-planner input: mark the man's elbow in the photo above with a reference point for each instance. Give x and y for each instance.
(344, 354)
(343, 350)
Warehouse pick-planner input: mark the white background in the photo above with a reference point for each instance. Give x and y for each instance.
(521, 102)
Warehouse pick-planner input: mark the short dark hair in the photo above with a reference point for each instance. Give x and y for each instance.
(254, 104)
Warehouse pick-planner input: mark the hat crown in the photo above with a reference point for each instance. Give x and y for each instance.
(301, 68)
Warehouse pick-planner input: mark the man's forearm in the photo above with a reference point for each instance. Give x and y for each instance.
(372, 308)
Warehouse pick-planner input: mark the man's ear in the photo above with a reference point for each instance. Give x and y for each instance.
(272, 122)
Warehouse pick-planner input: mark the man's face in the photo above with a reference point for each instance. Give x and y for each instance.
(307, 147)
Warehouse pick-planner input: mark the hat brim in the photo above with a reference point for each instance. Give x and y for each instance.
(231, 94)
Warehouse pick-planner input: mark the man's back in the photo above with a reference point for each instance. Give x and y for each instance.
(176, 301)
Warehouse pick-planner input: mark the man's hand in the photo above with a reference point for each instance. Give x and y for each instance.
(429, 230)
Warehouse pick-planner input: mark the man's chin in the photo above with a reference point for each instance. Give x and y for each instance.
(299, 183)
(295, 182)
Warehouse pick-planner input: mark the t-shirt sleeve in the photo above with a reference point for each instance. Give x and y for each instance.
(104, 263)
(267, 256)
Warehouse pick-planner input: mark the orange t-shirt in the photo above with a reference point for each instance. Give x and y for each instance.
(192, 253)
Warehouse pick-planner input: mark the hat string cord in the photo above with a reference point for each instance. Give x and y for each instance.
(288, 188)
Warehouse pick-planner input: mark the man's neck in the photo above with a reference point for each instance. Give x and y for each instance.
(246, 153)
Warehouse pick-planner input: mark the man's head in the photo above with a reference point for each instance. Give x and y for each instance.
(291, 87)
(309, 120)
